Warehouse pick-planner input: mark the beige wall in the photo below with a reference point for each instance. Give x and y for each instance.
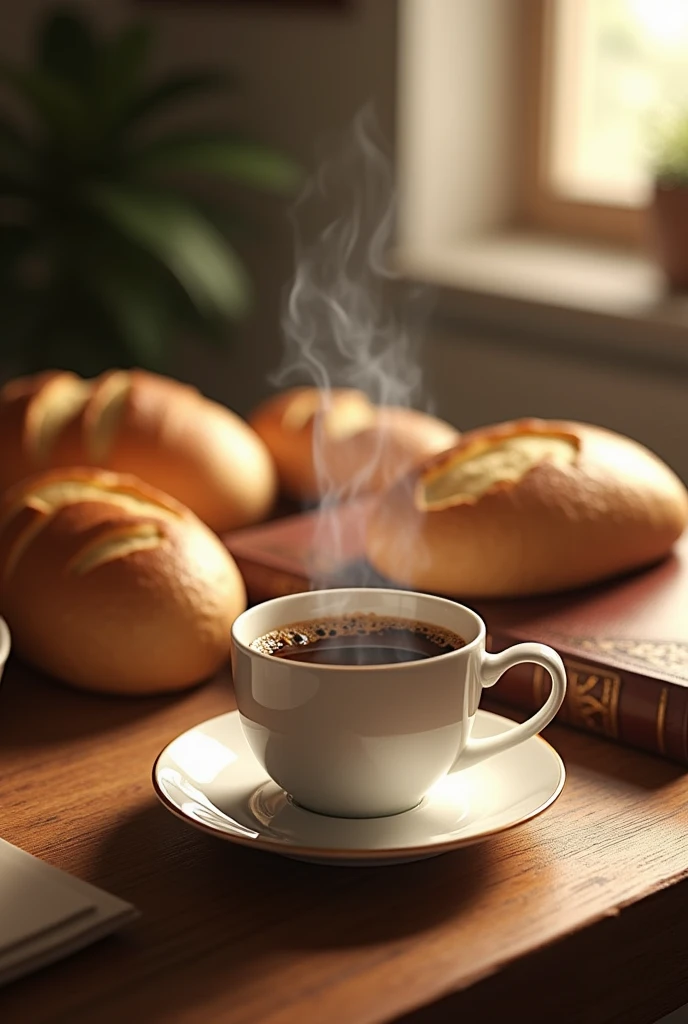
(304, 74)
(482, 380)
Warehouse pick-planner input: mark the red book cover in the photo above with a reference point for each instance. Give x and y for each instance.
(624, 643)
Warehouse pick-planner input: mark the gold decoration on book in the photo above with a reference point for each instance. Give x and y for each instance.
(592, 698)
(665, 656)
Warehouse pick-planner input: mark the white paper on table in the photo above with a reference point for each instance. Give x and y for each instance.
(45, 913)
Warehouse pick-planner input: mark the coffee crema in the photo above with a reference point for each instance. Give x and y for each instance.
(361, 638)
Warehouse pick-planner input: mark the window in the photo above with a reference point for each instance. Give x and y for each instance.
(599, 75)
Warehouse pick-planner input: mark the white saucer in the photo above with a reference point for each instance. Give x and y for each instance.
(209, 777)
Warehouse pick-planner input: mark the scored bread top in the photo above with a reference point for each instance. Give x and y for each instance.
(109, 584)
(49, 491)
(51, 408)
(30, 506)
(48, 403)
(497, 460)
(58, 401)
(343, 411)
(151, 426)
(527, 507)
(53, 405)
(101, 419)
(337, 442)
(555, 462)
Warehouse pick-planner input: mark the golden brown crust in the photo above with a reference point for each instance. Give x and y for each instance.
(110, 585)
(371, 460)
(27, 387)
(211, 445)
(159, 429)
(288, 423)
(19, 400)
(614, 507)
(362, 448)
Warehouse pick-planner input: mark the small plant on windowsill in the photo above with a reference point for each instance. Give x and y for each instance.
(110, 247)
(669, 207)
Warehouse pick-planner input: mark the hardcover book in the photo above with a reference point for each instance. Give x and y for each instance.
(624, 643)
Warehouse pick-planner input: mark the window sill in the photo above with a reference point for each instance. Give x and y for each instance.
(541, 291)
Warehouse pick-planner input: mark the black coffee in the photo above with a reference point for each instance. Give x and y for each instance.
(361, 638)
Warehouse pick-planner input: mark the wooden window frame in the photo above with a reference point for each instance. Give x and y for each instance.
(541, 207)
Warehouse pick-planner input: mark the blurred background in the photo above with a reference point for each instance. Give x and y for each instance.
(540, 149)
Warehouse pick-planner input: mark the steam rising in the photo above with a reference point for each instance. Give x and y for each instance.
(345, 323)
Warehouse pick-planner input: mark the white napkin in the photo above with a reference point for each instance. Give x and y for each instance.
(46, 914)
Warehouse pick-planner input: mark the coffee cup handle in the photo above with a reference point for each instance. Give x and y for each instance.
(495, 665)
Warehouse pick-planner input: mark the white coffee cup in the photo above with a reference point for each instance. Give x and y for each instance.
(367, 741)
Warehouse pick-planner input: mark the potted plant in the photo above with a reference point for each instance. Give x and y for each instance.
(669, 208)
(109, 249)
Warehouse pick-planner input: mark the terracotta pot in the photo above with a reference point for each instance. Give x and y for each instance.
(670, 223)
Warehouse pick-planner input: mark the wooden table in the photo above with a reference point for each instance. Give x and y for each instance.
(580, 915)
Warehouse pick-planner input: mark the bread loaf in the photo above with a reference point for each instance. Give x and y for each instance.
(527, 507)
(110, 585)
(337, 442)
(156, 428)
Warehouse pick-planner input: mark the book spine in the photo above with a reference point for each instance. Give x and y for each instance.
(639, 711)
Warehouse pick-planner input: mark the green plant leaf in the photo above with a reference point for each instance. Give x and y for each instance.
(233, 221)
(174, 89)
(183, 240)
(143, 329)
(55, 102)
(66, 47)
(99, 260)
(16, 153)
(141, 308)
(222, 155)
(122, 63)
